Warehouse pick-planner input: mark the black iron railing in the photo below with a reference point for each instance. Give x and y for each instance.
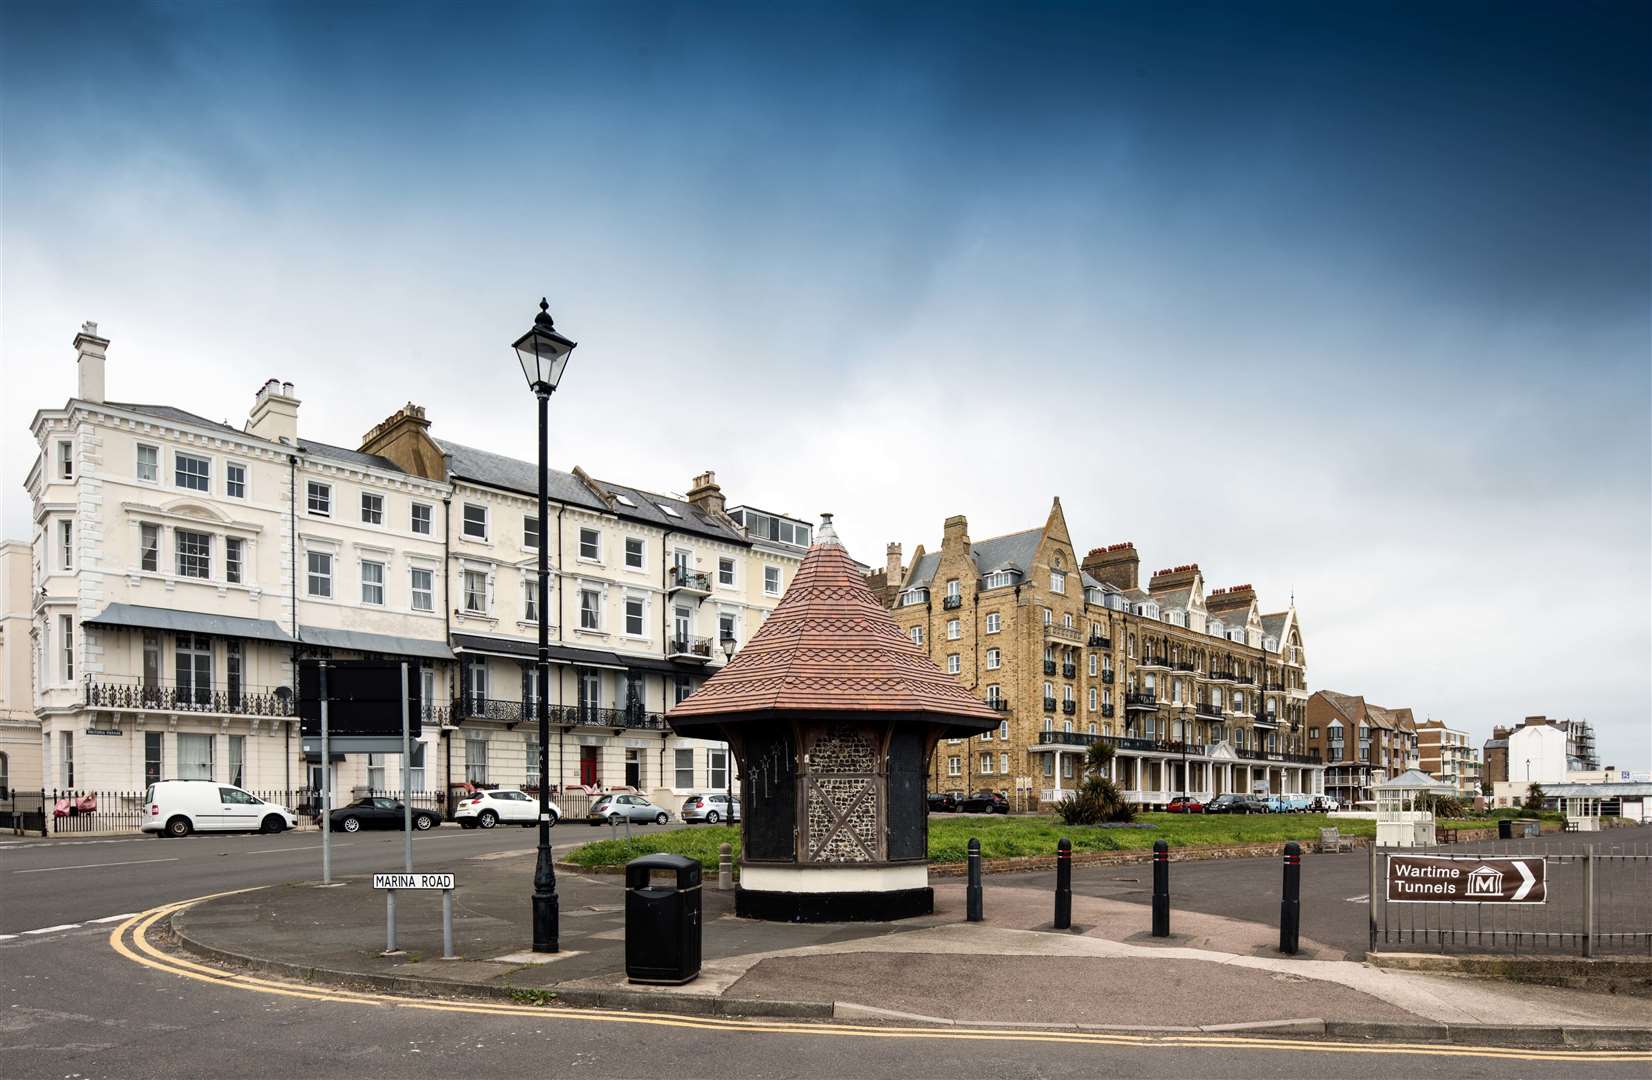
(952, 603)
(698, 648)
(1141, 701)
(682, 577)
(134, 694)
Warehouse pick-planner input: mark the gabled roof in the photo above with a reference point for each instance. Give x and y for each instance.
(1351, 706)
(830, 646)
(923, 570)
(1015, 551)
(511, 474)
(1274, 625)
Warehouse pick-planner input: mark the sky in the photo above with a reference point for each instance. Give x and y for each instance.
(1350, 302)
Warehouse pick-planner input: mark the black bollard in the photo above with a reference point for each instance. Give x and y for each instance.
(1064, 884)
(972, 903)
(1161, 889)
(1290, 899)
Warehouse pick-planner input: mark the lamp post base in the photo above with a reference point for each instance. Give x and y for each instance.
(546, 906)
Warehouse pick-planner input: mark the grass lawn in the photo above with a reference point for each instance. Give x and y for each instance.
(1007, 837)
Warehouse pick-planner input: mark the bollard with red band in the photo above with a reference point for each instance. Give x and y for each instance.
(1290, 899)
(1161, 889)
(1064, 884)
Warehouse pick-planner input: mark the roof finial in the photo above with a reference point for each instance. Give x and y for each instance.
(826, 535)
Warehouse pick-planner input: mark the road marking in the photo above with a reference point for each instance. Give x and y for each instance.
(1362, 898)
(89, 866)
(141, 951)
(113, 918)
(54, 929)
(7, 937)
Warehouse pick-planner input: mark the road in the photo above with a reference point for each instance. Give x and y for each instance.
(76, 1007)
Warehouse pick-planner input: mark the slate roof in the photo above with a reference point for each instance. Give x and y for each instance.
(511, 474)
(307, 446)
(830, 646)
(1176, 599)
(923, 571)
(1274, 626)
(690, 518)
(1015, 551)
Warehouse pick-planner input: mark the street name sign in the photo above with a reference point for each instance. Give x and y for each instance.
(1465, 879)
(412, 881)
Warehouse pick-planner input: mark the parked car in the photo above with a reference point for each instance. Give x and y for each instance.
(613, 809)
(501, 806)
(1183, 804)
(1275, 804)
(378, 813)
(1323, 804)
(1235, 804)
(984, 802)
(1300, 804)
(710, 808)
(180, 807)
(943, 802)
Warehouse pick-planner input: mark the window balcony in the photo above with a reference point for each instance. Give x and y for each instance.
(1208, 709)
(686, 582)
(1069, 707)
(1107, 711)
(129, 693)
(952, 603)
(588, 716)
(1049, 667)
(998, 704)
(1141, 702)
(1078, 739)
(1153, 662)
(690, 648)
(1100, 641)
(1216, 675)
(1186, 666)
(1049, 704)
(1242, 679)
(1069, 671)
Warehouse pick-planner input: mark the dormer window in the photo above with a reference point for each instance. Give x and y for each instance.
(1271, 644)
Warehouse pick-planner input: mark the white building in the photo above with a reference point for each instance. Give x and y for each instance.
(1537, 755)
(19, 730)
(180, 565)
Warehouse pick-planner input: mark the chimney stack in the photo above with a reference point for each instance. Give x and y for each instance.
(955, 532)
(90, 356)
(275, 413)
(404, 438)
(706, 495)
(1117, 564)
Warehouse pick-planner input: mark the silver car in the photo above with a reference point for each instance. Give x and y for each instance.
(710, 807)
(613, 809)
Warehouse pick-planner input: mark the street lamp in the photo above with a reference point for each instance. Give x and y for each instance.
(543, 354)
(729, 645)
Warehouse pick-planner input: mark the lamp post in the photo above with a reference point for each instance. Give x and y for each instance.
(729, 645)
(543, 354)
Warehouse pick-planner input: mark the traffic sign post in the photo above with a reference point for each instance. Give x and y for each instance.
(390, 883)
(1466, 879)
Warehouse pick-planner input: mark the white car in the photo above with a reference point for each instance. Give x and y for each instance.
(501, 806)
(180, 807)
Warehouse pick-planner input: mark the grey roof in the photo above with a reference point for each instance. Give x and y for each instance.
(529, 650)
(1634, 789)
(385, 644)
(308, 446)
(923, 571)
(1014, 552)
(349, 457)
(499, 471)
(1092, 583)
(690, 518)
(1274, 625)
(1415, 780)
(1174, 599)
(189, 622)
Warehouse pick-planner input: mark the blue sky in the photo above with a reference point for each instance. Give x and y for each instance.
(1351, 301)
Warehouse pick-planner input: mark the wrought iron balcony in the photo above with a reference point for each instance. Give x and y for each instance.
(1107, 676)
(1143, 702)
(1215, 675)
(998, 704)
(690, 648)
(1068, 738)
(1069, 706)
(1208, 708)
(1187, 666)
(1068, 671)
(1049, 704)
(1100, 641)
(681, 579)
(130, 693)
(1242, 678)
(1107, 711)
(1153, 662)
(1049, 667)
(476, 707)
(952, 603)
(616, 719)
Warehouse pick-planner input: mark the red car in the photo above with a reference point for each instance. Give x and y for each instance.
(1181, 804)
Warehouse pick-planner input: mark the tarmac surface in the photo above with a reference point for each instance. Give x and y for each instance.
(932, 997)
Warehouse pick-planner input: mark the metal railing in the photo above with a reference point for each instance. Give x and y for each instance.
(694, 580)
(1069, 706)
(1068, 738)
(1598, 899)
(1049, 667)
(1141, 701)
(1069, 671)
(1100, 641)
(697, 647)
(952, 603)
(132, 693)
(514, 712)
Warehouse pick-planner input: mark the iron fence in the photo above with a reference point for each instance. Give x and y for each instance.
(1597, 898)
(23, 813)
(102, 811)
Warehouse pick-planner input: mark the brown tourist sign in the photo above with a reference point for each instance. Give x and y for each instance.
(1465, 879)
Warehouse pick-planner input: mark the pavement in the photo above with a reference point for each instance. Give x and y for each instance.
(91, 986)
(1216, 970)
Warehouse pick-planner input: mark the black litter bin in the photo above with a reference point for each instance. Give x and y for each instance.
(1505, 829)
(662, 919)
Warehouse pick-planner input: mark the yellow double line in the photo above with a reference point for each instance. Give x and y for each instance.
(141, 951)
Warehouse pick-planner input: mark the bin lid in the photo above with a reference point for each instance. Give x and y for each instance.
(637, 870)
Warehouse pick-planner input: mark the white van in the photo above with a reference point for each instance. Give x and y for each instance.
(180, 807)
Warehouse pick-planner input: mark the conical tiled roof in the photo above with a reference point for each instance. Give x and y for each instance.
(830, 646)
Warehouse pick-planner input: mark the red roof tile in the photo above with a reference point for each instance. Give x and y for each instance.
(830, 646)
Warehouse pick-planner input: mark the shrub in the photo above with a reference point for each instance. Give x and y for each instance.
(1534, 797)
(1443, 806)
(1096, 801)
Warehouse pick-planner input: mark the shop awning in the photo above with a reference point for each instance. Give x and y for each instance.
(383, 644)
(136, 616)
(517, 649)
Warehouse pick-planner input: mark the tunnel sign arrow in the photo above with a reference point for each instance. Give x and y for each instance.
(1526, 883)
